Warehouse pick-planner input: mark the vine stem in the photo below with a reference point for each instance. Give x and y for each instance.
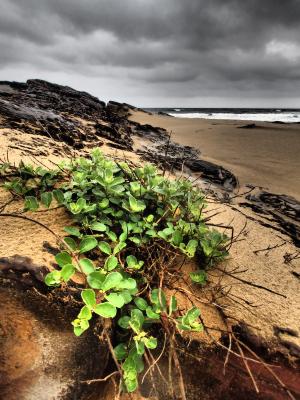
(156, 361)
(88, 382)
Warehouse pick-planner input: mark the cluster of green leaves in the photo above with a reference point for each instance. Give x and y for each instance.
(118, 212)
(29, 180)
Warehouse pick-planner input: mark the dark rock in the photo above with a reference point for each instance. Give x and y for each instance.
(42, 108)
(165, 114)
(213, 172)
(283, 210)
(248, 126)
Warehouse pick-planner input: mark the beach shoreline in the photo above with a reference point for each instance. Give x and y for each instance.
(262, 154)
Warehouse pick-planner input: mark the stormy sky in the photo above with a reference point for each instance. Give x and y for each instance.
(211, 53)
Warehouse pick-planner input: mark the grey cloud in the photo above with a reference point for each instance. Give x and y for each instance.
(150, 48)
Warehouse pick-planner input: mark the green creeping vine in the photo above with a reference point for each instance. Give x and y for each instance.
(131, 224)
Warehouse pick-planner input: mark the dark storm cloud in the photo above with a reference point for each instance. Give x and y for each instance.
(172, 47)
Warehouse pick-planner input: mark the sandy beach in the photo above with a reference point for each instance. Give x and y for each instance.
(266, 155)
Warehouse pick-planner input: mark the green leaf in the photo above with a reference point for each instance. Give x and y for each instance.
(191, 248)
(87, 244)
(177, 238)
(189, 319)
(139, 363)
(141, 303)
(183, 327)
(71, 243)
(128, 283)
(89, 297)
(131, 384)
(135, 186)
(123, 237)
(53, 278)
(120, 351)
(112, 236)
(59, 196)
(151, 232)
(158, 298)
(106, 310)
(80, 325)
(108, 176)
(96, 279)
(98, 226)
(67, 271)
(117, 181)
(198, 276)
(112, 280)
(136, 320)
(120, 246)
(136, 205)
(123, 322)
(196, 327)
(85, 313)
(140, 347)
(135, 240)
(115, 299)
(78, 331)
(133, 203)
(111, 263)
(104, 203)
(150, 343)
(172, 305)
(206, 247)
(193, 314)
(87, 266)
(131, 261)
(105, 247)
(63, 258)
(77, 207)
(126, 296)
(31, 203)
(46, 199)
(71, 230)
(150, 218)
(129, 367)
(151, 314)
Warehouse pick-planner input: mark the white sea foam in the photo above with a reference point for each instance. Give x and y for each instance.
(287, 117)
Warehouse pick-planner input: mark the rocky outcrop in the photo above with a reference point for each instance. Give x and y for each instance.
(60, 112)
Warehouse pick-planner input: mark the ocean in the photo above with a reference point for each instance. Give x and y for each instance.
(251, 114)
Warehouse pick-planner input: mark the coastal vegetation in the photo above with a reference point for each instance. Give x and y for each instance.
(133, 231)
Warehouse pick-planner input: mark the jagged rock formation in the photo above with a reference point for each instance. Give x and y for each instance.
(61, 113)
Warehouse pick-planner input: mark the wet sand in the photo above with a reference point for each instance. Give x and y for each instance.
(267, 155)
